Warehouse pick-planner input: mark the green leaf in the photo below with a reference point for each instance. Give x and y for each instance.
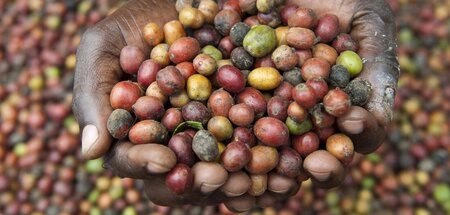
(191, 124)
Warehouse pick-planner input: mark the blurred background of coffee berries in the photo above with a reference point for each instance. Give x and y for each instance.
(41, 170)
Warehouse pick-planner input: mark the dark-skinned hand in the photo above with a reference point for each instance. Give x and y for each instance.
(371, 24)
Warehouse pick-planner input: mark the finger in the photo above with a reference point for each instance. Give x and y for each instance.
(362, 127)
(241, 204)
(98, 67)
(324, 169)
(373, 27)
(96, 73)
(158, 193)
(281, 186)
(237, 184)
(139, 161)
(208, 176)
(266, 200)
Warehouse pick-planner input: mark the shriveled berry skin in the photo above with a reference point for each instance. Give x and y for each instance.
(271, 18)
(284, 58)
(241, 58)
(205, 146)
(339, 77)
(119, 123)
(180, 179)
(271, 132)
(238, 32)
(293, 76)
(320, 118)
(359, 91)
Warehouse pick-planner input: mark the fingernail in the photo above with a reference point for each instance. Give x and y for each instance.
(280, 191)
(354, 126)
(208, 188)
(240, 208)
(89, 137)
(321, 176)
(232, 194)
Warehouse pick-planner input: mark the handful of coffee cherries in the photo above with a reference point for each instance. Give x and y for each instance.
(252, 88)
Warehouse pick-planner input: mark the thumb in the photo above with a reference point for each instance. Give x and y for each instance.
(373, 27)
(96, 72)
(92, 111)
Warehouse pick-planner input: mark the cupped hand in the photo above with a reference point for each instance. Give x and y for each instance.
(372, 25)
(98, 70)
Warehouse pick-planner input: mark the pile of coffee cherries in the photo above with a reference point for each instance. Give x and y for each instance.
(253, 88)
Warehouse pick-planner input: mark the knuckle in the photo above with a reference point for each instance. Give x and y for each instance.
(92, 34)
